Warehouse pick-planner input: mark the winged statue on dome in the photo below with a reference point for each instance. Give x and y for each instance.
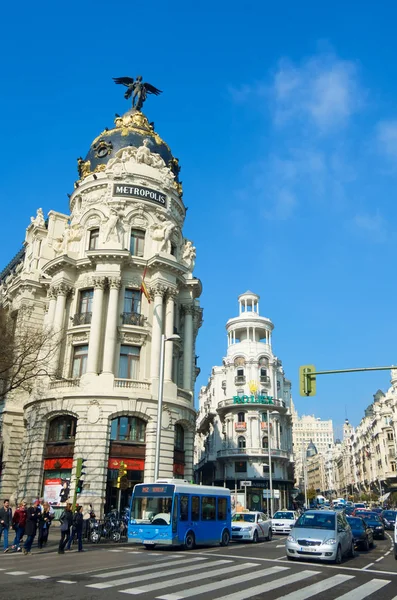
(137, 89)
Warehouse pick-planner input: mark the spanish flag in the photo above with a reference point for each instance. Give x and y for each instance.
(144, 289)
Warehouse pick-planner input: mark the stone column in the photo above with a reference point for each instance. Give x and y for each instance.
(111, 325)
(96, 322)
(188, 347)
(169, 330)
(51, 306)
(61, 291)
(157, 292)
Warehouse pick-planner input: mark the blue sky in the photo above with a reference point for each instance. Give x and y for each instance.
(284, 118)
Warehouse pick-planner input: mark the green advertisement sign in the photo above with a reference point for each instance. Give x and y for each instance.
(253, 399)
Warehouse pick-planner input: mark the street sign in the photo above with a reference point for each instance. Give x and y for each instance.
(245, 483)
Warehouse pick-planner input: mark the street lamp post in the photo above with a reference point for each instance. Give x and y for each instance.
(171, 338)
(269, 445)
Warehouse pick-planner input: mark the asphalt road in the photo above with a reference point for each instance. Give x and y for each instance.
(239, 571)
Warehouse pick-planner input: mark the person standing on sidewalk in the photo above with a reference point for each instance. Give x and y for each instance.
(19, 523)
(78, 523)
(66, 521)
(32, 519)
(44, 525)
(5, 522)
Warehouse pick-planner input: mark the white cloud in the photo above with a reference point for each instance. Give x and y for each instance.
(387, 137)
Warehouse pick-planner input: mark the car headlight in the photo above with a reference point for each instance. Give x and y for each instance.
(245, 529)
(329, 542)
(291, 538)
(379, 527)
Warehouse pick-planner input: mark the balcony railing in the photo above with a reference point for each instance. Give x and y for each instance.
(82, 318)
(64, 383)
(264, 425)
(131, 383)
(132, 318)
(275, 453)
(264, 379)
(239, 379)
(240, 426)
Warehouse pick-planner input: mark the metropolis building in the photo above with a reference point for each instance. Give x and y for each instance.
(80, 275)
(245, 415)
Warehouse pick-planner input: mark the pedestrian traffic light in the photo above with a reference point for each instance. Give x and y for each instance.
(121, 474)
(80, 467)
(79, 486)
(307, 382)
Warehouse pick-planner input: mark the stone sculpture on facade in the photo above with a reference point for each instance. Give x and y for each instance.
(161, 233)
(111, 226)
(189, 254)
(38, 220)
(137, 89)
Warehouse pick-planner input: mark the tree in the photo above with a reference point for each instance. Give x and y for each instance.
(26, 350)
(311, 494)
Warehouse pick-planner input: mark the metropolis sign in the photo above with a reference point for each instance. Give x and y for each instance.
(253, 399)
(137, 191)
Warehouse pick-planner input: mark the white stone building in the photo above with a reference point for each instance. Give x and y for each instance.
(80, 274)
(235, 424)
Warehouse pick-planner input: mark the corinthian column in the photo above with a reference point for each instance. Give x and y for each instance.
(188, 347)
(61, 292)
(111, 325)
(169, 330)
(96, 322)
(157, 292)
(52, 295)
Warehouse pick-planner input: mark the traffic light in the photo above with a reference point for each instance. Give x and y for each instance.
(79, 486)
(80, 467)
(122, 473)
(307, 382)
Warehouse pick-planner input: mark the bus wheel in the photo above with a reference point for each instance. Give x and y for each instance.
(190, 541)
(225, 538)
(150, 546)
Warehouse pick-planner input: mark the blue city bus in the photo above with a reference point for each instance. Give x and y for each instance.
(174, 512)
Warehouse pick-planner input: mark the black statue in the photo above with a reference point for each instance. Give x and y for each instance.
(137, 89)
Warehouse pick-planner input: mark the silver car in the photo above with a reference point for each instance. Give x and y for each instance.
(320, 535)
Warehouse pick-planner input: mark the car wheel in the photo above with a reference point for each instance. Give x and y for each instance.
(371, 544)
(352, 552)
(225, 538)
(366, 545)
(150, 546)
(255, 538)
(290, 558)
(338, 557)
(190, 541)
(383, 537)
(269, 535)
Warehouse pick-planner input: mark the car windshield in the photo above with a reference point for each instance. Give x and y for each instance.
(316, 521)
(389, 514)
(152, 510)
(372, 517)
(355, 522)
(244, 517)
(283, 515)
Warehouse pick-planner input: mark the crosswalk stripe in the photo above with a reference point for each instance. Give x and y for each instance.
(39, 577)
(268, 586)
(17, 573)
(188, 579)
(195, 567)
(65, 581)
(140, 569)
(202, 589)
(316, 588)
(364, 590)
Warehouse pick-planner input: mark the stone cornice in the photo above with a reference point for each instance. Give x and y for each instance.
(60, 263)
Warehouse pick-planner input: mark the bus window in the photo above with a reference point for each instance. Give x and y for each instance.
(195, 508)
(208, 510)
(184, 508)
(222, 505)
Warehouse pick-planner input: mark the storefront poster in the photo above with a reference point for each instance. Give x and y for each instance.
(56, 490)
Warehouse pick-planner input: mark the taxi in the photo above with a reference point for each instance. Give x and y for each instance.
(283, 521)
(251, 526)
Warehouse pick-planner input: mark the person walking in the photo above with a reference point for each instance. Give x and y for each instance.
(78, 523)
(19, 523)
(5, 522)
(66, 520)
(44, 525)
(32, 519)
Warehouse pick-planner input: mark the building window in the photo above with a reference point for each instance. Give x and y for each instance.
(390, 436)
(129, 362)
(62, 429)
(132, 308)
(241, 442)
(179, 441)
(85, 301)
(240, 372)
(79, 364)
(137, 244)
(241, 417)
(240, 467)
(94, 239)
(264, 417)
(265, 443)
(128, 429)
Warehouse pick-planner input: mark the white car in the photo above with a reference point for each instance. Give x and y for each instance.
(251, 527)
(283, 520)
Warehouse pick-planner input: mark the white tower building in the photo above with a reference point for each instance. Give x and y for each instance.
(245, 414)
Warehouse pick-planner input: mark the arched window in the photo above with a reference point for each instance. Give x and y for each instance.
(62, 429)
(128, 429)
(263, 372)
(264, 417)
(179, 442)
(241, 442)
(137, 243)
(94, 239)
(241, 417)
(265, 443)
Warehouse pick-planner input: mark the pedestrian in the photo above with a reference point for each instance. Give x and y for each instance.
(44, 525)
(66, 520)
(32, 519)
(5, 522)
(19, 524)
(78, 523)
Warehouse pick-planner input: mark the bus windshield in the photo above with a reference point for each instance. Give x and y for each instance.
(152, 505)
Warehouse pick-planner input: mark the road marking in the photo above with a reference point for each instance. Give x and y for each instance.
(16, 573)
(117, 582)
(40, 577)
(65, 581)
(140, 569)
(202, 589)
(188, 579)
(367, 566)
(280, 546)
(118, 550)
(380, 558)
(272, 585)
(316, 588)
(364, 590)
